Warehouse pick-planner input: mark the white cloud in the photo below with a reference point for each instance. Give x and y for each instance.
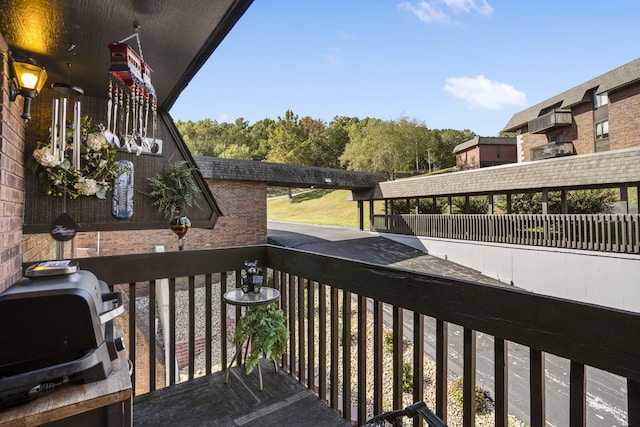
(468, 6)
(480, 92)
(437, 11)
(426, 12)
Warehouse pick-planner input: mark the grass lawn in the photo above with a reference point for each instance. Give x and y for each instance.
(325, 207)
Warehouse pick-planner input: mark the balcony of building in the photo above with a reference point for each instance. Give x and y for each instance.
(331, 301)
(552, 149)
(550, 120)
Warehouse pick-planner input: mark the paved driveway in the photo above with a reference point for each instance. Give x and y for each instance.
(366, 246)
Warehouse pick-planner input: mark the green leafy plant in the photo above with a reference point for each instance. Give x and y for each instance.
(387, 341)
(457, 393)
(174, 188)
(266, 326)
(407, 377)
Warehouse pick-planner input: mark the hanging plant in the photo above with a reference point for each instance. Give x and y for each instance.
(174, 188)
(94, 175)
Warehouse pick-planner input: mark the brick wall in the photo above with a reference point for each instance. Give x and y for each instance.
(12, 186)
(244, 222)
(583, 134)
(624, 107)
(530, 140)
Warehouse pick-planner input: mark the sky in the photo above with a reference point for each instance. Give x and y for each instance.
(447, 64)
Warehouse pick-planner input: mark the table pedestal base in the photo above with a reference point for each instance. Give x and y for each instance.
(238, 349)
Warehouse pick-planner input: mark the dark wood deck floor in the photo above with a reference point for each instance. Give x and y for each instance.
(207, 401)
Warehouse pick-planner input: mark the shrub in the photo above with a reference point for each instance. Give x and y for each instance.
(407, 377)
(456, 390)
(387, 341)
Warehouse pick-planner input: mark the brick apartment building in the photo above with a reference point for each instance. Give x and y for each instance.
(598, 115)
(482, 152)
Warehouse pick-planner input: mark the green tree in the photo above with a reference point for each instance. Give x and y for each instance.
(578, 202)
(260, 138)
(286, 138)
(380, 146)
(443, 142)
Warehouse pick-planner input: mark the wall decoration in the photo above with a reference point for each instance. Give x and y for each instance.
(123, 191)
(76, 160)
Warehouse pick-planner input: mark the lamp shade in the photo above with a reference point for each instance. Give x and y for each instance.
(29, 76)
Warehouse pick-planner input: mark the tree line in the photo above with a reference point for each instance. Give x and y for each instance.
(390, 147)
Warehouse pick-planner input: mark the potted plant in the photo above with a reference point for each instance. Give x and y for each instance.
(266, 327)
(172, 190)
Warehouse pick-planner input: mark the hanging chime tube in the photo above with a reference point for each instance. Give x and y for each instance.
(54, 127)
(76, 135)
(63, 126)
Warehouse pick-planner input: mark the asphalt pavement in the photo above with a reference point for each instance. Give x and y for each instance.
(606, 393)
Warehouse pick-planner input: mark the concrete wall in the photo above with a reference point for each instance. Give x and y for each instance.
(608, 279)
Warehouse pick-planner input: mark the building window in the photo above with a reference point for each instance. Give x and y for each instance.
(600, 99)
(602, 129)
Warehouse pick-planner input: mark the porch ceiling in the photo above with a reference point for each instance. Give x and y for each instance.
(177, 37)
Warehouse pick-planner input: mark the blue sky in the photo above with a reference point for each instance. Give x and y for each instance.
(458, 64)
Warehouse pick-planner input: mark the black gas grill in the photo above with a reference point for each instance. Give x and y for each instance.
(56, 326)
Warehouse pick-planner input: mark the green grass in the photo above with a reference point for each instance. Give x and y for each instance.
(324, 207)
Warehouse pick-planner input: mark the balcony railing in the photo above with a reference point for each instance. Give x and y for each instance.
(550, 120)
(551, 150)
(331, 302)
(605, 232)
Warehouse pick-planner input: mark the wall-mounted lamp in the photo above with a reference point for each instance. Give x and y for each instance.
(27, 80)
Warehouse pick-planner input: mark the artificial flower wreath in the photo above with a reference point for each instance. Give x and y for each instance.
(98, 165)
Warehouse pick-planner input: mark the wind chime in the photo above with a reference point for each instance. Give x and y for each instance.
(131, 98)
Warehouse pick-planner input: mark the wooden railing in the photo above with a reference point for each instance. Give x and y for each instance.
(604, 232)
(330, 302)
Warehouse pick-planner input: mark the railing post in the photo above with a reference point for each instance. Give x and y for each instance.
(501, 376)
(397, 356)
(172, 331)
(377, 355)
(132, 333)
(311, 344)
(322, 341)
(469, 378)
(346, 355)
(577, 395)
(442, 369)
(633, 402)
(192, 332)
(334, 349)
(152, 335)
(362, 360)
(418, 361)
(300, 284)
(536, 387)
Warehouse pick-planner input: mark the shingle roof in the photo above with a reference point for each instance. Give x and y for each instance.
(483, 140)
(612, 80)
(608, 169)
(279, 174)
